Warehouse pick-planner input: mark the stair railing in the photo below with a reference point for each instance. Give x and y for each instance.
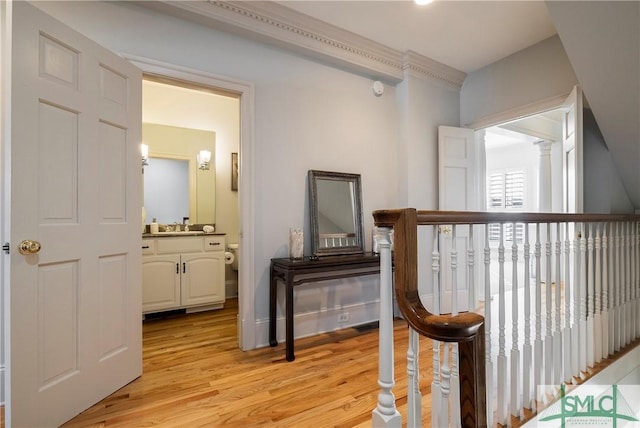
(575, 301)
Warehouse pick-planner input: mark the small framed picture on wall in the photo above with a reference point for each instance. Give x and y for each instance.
(234, 171)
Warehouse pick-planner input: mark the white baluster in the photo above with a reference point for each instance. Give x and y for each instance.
(637, 264)
(516, 406)
(597, 319)
(605, 290)
(632, 282)
(436, 403)
(487, 321)
(566, 334)
(623, 288)
(634, 274)
(471, 270)
(617, 285)
(627, 284)
(502, 358)
(527, 357)
(548, 340)
(612, 288)
(575, 333)
(414, 398)
(582, 286)
(590, 300)
(557, 335)
(385, 414)
(537, 349)
(454, 399)
(637, 277)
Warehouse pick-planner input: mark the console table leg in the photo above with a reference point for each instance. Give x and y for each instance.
(273, 297)
(289, 319)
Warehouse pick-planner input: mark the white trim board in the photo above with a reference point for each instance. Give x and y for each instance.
(246, 276)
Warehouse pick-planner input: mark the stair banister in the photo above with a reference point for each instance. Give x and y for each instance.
(466, 329)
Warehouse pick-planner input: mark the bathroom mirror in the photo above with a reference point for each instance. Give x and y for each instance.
(174, 186)
(335, 200)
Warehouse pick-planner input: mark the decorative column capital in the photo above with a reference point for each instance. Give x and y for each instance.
(544, 146)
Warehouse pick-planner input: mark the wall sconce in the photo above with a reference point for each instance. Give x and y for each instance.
(203, 157)
(144, 150)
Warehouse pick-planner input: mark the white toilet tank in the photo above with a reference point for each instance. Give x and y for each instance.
(233, 248)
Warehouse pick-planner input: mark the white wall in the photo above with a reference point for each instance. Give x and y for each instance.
(423, 106)
(535, 74)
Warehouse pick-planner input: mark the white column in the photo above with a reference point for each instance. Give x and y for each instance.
(544, 176)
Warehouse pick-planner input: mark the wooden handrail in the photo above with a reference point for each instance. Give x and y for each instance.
(387, 218)
(467, 329)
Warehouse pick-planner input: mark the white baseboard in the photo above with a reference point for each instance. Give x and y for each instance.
(312, 323)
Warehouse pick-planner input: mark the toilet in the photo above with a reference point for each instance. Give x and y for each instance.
(233, 248)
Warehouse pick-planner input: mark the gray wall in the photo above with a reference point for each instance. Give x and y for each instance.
(537, 73)
(533, 75)
(605, 194)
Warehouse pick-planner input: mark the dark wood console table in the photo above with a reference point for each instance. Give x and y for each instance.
(319, 269)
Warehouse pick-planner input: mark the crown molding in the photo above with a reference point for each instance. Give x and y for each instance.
(420, 66)
(270, 22)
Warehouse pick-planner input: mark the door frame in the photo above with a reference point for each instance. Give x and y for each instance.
(245, 91)
(532, 109)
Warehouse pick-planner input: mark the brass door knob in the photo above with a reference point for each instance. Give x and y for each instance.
(27, 247)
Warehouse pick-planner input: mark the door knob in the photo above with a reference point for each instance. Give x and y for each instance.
(27, 247)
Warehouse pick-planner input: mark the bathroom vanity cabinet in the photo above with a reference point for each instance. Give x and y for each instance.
(183, 272)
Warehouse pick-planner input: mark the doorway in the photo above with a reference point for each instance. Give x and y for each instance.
(210, 199)
(243, 92)
(517, 154)
(514, 151)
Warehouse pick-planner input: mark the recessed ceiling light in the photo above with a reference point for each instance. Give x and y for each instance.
(422, 2)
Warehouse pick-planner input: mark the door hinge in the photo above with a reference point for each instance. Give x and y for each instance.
(6, 248)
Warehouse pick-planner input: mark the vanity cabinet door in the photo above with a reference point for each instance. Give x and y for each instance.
(202, 278)
(160, 282)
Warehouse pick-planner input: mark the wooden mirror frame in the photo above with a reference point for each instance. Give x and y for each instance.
(355, 244)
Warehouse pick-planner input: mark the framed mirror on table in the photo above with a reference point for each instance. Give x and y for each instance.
(335, 205)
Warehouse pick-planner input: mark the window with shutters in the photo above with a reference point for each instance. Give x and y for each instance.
(506, 191)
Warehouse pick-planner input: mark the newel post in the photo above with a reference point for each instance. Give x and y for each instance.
(385, 414)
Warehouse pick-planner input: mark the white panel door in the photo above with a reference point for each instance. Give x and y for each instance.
(573, 152)
(75, 187)
(458, 190)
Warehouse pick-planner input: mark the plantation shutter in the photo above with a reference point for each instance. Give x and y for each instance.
(506, 192)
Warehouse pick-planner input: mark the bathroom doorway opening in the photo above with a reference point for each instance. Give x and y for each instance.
(181, 104)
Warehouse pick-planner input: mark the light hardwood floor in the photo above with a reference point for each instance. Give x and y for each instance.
(195, 375)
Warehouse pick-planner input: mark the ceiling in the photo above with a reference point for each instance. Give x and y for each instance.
(465, 35)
